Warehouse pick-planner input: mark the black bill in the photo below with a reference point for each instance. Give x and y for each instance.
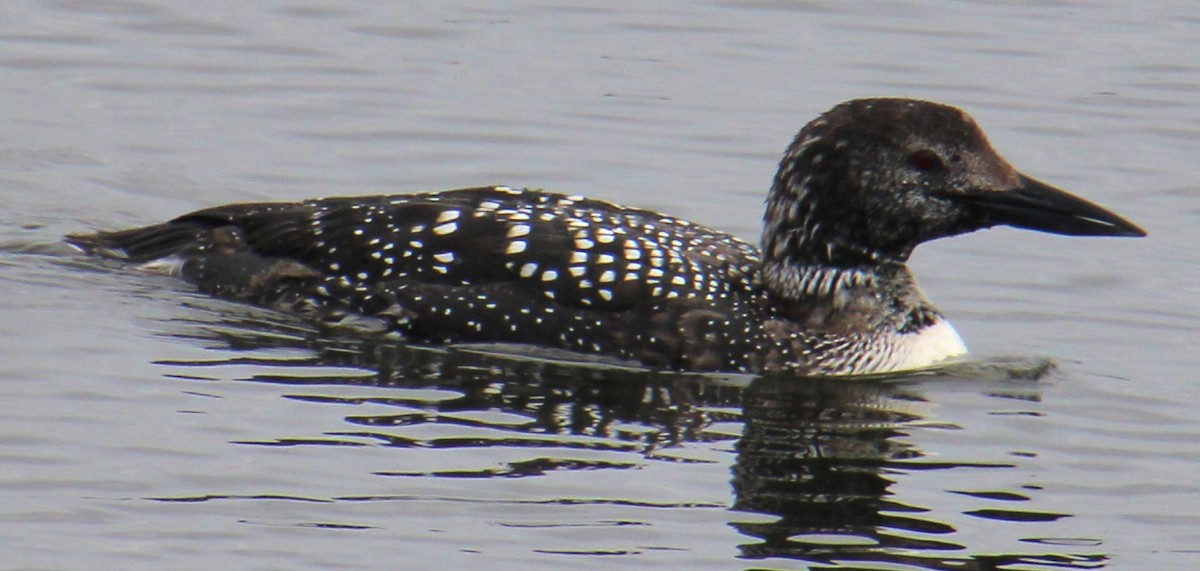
(1038, 206)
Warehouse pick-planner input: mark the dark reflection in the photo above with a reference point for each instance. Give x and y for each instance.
(815, 463)
(815, 456)
(821, 456)
(626, 409)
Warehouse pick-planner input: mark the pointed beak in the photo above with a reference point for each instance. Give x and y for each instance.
(1035, 205)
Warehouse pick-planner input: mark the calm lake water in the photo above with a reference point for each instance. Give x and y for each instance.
(147, 427)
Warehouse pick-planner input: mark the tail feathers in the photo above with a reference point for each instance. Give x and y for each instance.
(146, 243)
(213, 253)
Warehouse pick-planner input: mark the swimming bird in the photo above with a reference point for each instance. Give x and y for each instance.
(826, 292)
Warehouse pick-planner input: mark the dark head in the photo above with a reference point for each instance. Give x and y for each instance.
(870, 179)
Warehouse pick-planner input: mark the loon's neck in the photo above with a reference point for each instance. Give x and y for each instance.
(827, 272)
(883, 297)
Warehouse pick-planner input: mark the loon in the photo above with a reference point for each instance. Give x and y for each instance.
(827, 292)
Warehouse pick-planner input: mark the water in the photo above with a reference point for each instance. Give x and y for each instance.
(145, 426)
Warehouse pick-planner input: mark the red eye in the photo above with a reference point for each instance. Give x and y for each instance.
(925, 160)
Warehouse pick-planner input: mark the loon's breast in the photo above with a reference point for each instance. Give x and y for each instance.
(927, 346)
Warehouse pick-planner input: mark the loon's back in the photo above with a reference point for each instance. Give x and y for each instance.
(480, 264)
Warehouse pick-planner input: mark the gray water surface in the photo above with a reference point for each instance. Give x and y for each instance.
(145, 426)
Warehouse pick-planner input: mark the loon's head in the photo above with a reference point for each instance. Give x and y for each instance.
(868, 180)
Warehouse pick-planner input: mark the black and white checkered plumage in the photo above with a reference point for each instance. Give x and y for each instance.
(858, 189)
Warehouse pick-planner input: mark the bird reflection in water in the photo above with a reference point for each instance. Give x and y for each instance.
(821, 455)
(817, 457)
